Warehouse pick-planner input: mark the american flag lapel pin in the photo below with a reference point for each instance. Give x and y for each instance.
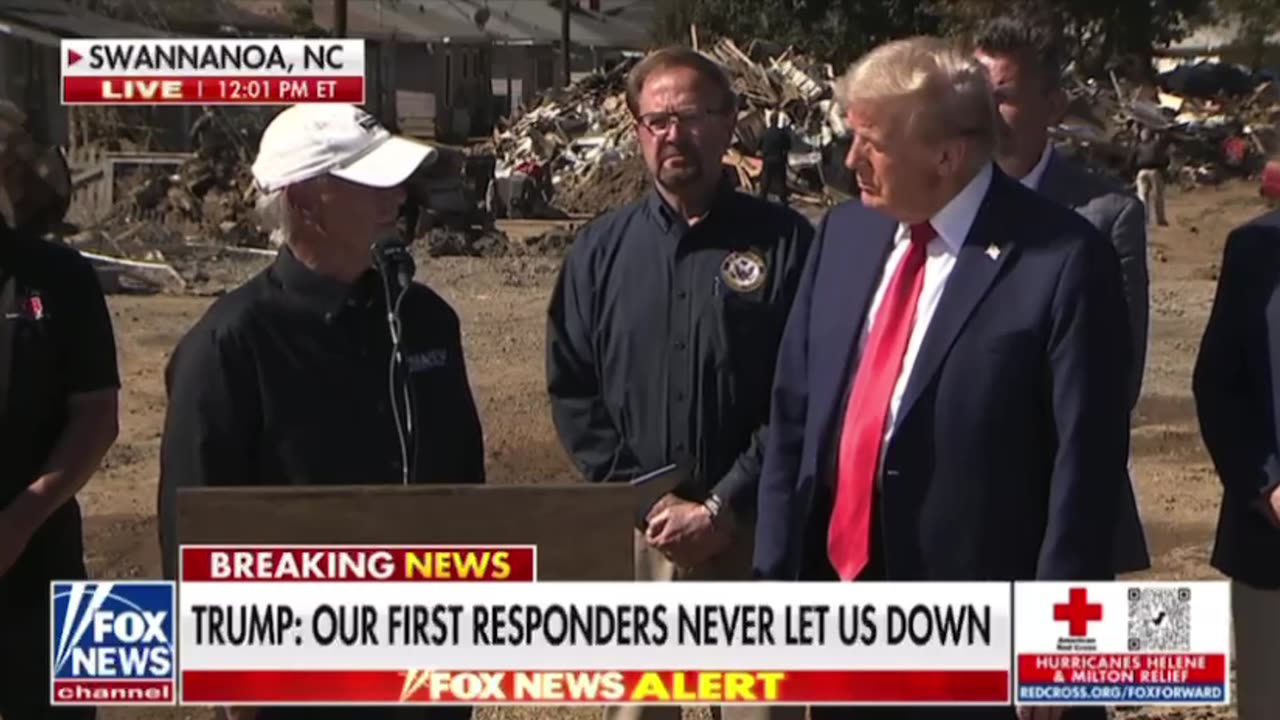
(993, 252)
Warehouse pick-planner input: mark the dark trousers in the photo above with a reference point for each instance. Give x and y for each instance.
(24, 661)
(773, 181)
(818, 567)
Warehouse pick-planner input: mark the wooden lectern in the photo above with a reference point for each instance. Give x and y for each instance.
(582, 531)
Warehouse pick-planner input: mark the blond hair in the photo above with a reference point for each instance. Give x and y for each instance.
(945, 89)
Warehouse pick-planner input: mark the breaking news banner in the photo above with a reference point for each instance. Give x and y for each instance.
(342, 626)
(1126, 643)
(112, 643)
(209, 71)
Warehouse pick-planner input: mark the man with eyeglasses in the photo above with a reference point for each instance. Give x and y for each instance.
(662, 332)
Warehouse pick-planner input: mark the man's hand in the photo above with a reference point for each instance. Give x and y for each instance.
(663, 503)
(240, 713)
(1041, 713)
(18, 522)
(682, 530)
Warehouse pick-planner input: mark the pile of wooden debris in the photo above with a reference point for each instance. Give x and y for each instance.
(1216, 121)
(581, 133)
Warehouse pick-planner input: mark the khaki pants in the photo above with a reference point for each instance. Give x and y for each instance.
(1256, 616)
(733, 564)
(1151, 193)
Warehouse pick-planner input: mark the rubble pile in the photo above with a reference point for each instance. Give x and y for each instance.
(215, 202)
(604, 185)
(451, 242)
(211, 197)
(552, 243)
(584, 136)
(1217, 122)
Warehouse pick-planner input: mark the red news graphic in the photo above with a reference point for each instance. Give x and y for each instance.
(596, 686)
(209, 71)
(426, 563)
(1102, 668)
(211, 90)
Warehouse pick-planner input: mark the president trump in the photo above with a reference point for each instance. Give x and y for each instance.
(948, 402)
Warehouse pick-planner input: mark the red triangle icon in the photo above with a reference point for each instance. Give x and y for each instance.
(73, 57)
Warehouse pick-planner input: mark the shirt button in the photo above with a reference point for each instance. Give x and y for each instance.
(682, 295)
(679, 447)
(679, 345)
(680, 396)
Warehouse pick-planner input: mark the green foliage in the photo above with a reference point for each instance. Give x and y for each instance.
(840, 30)
(835, 30)
(1257, 20)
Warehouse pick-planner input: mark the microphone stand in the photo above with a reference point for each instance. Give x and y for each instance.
(396, 268)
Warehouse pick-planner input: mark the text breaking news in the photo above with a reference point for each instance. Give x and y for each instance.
(212, 71)
(387, 625)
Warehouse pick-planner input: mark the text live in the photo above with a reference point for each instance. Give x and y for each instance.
(201, 90)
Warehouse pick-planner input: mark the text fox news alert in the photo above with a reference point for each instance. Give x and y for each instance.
(387, 625)
(206, 71)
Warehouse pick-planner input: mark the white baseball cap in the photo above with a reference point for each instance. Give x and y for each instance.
(306, 141)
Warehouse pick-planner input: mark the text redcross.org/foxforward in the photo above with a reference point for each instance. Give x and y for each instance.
(391, 624)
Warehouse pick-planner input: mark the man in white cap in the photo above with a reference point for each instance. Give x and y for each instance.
(284, 381)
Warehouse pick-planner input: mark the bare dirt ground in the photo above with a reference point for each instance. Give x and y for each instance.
(501, 302)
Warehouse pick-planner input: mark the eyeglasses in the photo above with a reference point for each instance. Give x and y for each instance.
(659, 123)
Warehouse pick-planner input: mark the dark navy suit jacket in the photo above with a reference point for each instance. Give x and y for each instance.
(1237, 396)
(1008, 460)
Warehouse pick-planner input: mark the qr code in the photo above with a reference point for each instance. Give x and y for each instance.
(1159, 619)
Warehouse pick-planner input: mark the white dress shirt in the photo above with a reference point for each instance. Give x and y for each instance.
(1032, 180)
(952, 224)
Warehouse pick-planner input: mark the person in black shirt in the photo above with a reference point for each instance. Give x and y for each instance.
(662, 331)
(59, 388)
(775, 146)
(284, 381)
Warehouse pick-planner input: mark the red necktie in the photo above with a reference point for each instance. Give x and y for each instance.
(848, 536)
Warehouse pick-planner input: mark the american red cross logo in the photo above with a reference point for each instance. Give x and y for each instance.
(1077, 612)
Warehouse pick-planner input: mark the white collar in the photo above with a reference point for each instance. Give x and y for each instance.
(1032, 179)
(953, 221)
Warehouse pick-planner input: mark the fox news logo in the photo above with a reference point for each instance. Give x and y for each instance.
(113, 643)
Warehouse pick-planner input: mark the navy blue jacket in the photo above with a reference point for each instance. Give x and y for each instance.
(1236, 398)
(1009, 457)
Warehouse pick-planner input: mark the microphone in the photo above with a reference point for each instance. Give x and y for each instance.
(393, 261)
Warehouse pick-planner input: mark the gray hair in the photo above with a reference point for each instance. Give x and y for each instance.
(273, 213)
(948, 92)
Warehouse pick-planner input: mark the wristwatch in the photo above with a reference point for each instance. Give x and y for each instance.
(720, 513)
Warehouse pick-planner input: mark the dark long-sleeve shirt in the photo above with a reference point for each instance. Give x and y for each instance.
(661, 340)
(56, 342)
(285, 382)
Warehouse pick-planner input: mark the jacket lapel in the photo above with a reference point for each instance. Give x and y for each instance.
(859, 260)
(974, 271)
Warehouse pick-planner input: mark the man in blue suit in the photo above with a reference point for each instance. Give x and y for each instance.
(948, 404)
(1236, 399)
